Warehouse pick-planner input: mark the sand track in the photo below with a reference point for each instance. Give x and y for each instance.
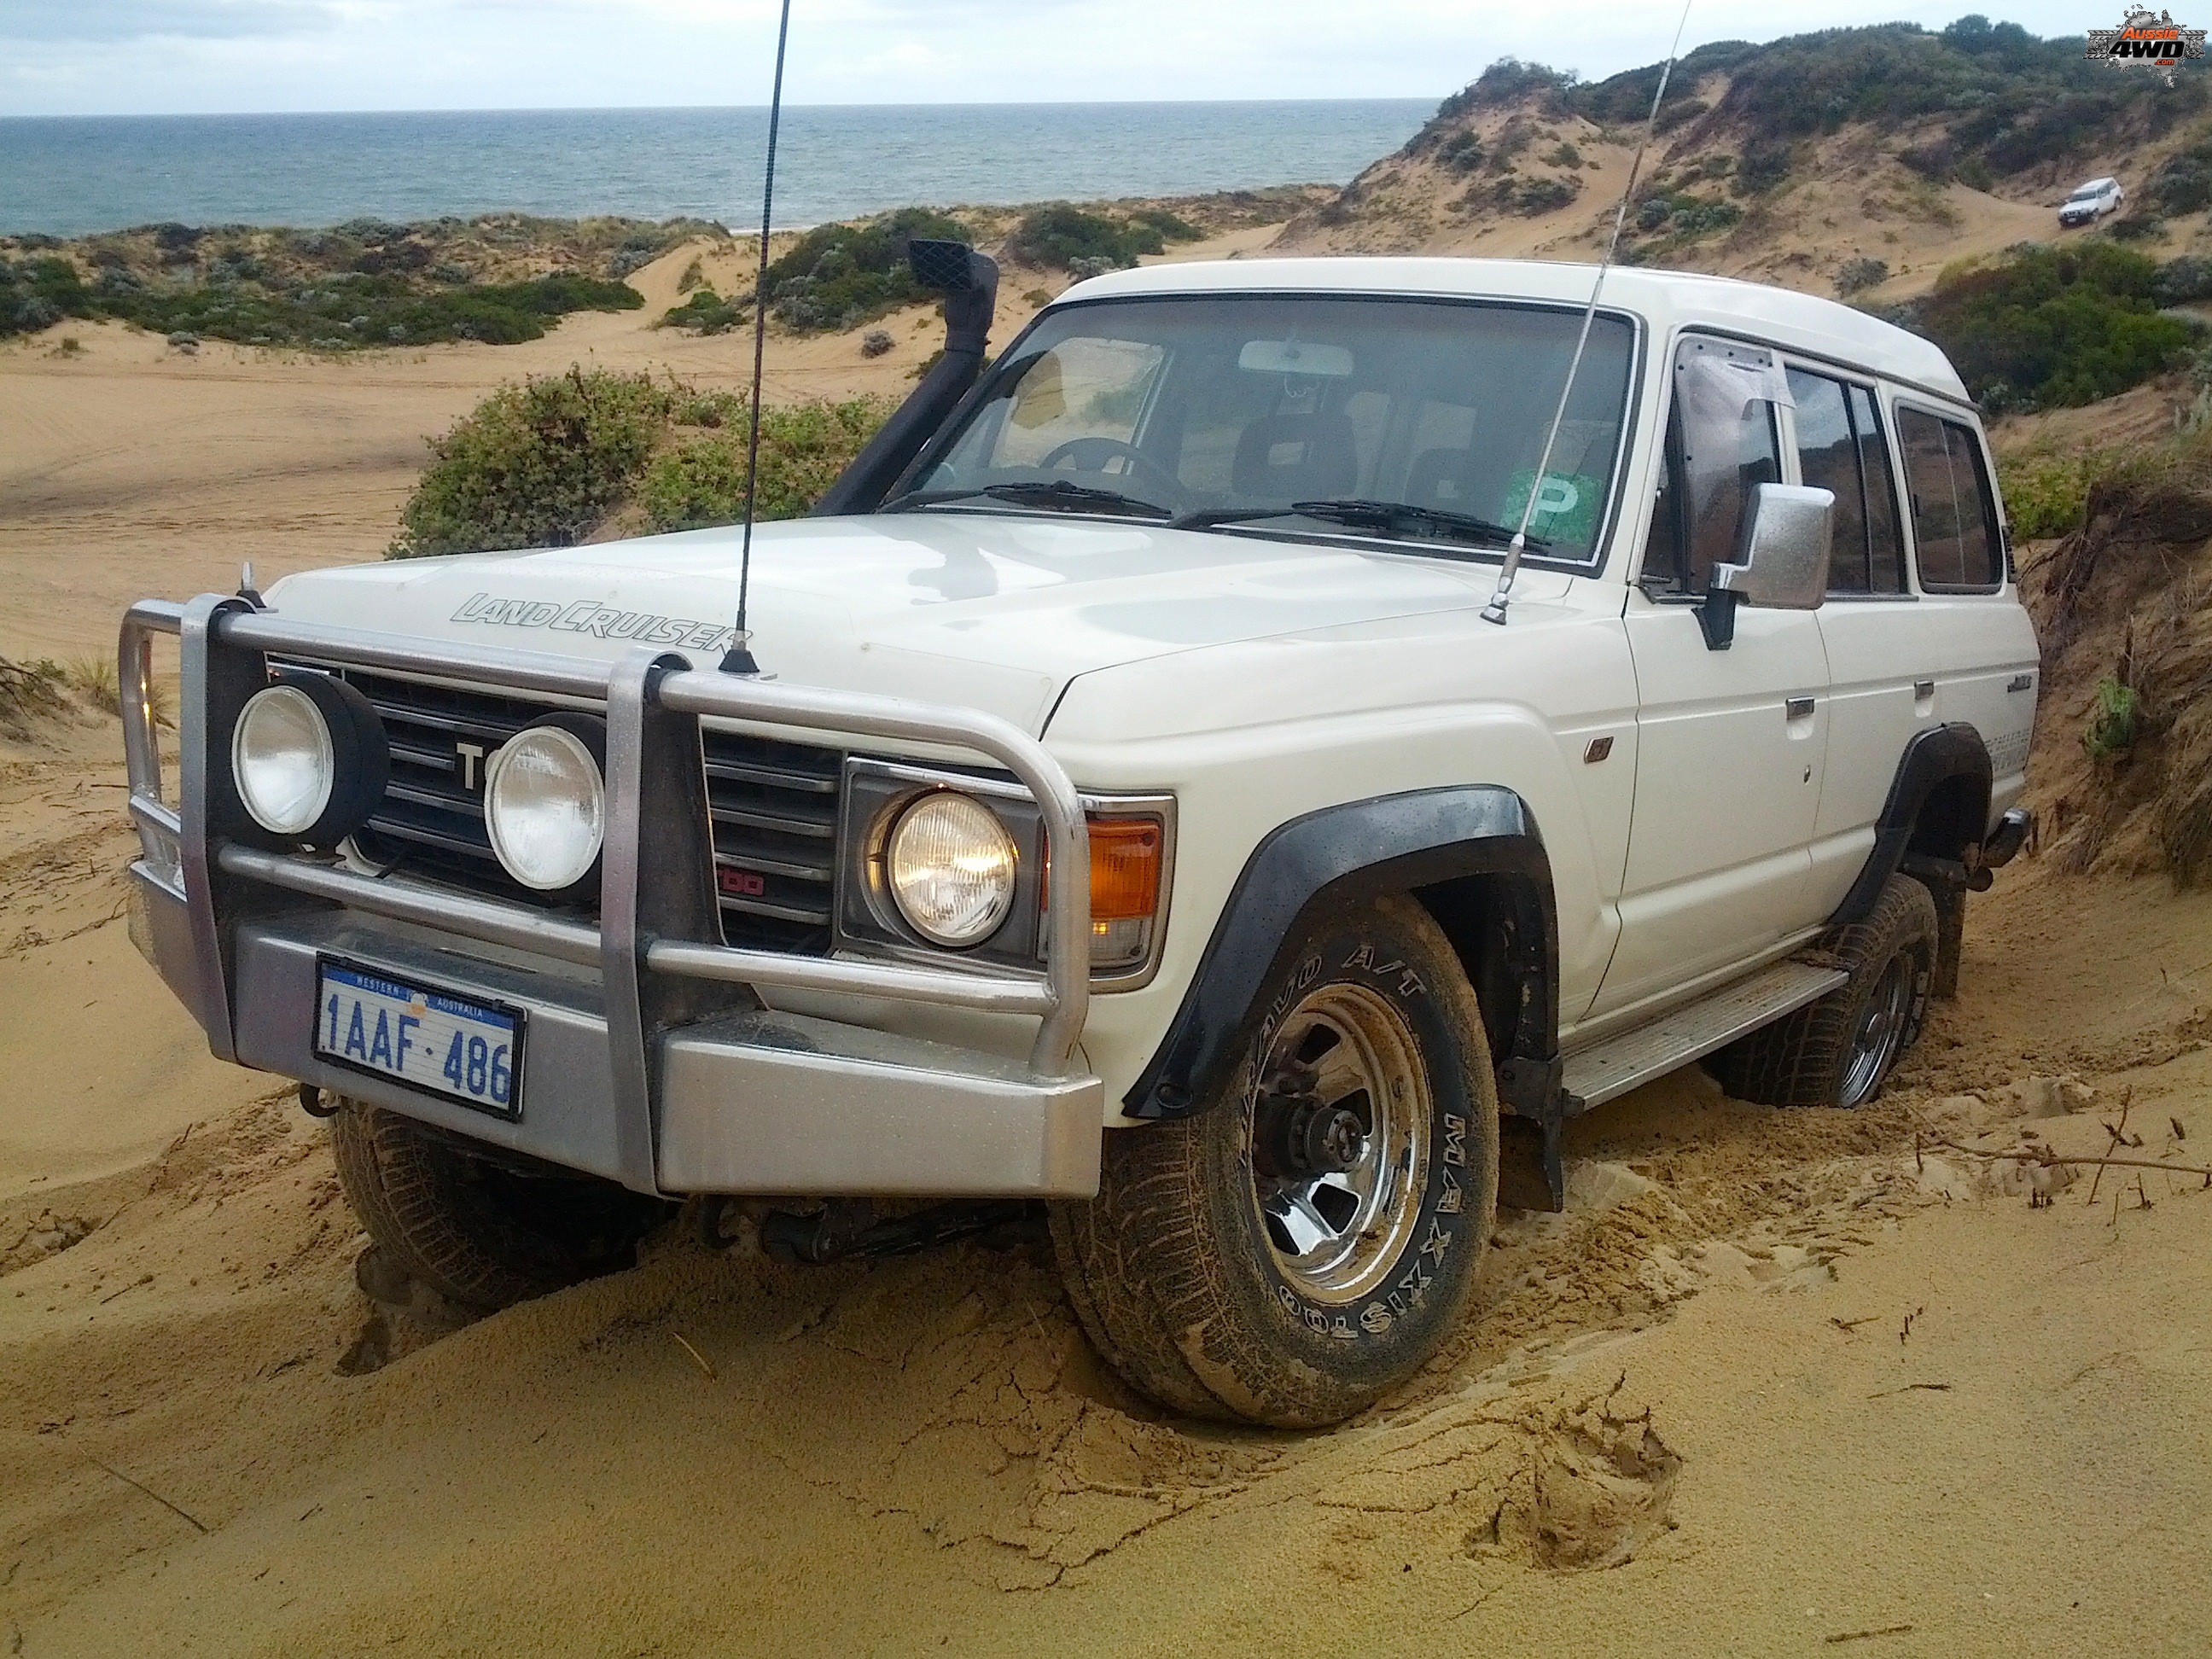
(885, 1449)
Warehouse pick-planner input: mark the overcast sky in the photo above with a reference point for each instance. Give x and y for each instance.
(133, 57)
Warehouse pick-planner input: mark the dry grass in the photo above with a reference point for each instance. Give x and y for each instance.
(93, 679)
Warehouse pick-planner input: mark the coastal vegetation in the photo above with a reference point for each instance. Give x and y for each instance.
(499, 278)
(834, 277)
(2006, 100)
(551, 460)
(838, 277)
(2057, 326)
(1058, 236)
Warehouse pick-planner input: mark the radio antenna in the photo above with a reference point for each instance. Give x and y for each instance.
(1503, 594)
(739, 659)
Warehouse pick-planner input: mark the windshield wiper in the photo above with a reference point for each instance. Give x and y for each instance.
(1361, 513)
(1059, 494)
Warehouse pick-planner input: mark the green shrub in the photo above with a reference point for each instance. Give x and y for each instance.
(1683, 215)
(1509, 81)
(2111, 727)
(701, 481)
(2181, 280)
(2046, 494)
(1534, 196)
(536, 465)
(838, 276)
(1059, 236)
(1460, 153)
(2182, 182)
(708, 312)
(336, 310)
(1854, 276)
(36, 294)
(545, 462)
(2057, 326)
(1171, 226)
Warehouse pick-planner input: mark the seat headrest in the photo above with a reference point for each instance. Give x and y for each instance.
(1293, 458)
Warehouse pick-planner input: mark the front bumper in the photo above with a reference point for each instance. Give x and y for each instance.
(651, 1059)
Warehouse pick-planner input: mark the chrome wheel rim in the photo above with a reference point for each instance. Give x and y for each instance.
(1880, 1032)
(1336, 1232)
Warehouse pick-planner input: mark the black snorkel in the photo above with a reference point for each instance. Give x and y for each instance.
(969, 283)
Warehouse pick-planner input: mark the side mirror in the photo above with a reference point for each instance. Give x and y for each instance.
(1788, 534)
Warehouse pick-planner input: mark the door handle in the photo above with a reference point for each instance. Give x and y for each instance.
(1798, 709)
(1923, 690)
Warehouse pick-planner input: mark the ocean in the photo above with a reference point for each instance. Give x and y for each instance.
(70, 176)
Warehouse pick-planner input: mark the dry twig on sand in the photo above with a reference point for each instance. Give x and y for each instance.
(196, 1525)
(705, 1366)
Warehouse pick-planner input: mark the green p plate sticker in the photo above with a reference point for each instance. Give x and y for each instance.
(1566, 507)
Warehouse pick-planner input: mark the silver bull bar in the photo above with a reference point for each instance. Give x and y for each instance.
(673, 1076)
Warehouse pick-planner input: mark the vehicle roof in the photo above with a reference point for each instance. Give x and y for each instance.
(2088, 185)
(1667, 300)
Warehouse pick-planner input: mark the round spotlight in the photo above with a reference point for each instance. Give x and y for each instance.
(545, 808)
(283, 760)
(949, 865)
(308, 759)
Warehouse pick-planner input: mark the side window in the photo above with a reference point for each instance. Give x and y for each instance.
(1722, 429)
(1828, 459)
(1954, 521)
(1885, 536)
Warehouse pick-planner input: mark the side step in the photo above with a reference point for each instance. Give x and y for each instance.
(1609, 1069)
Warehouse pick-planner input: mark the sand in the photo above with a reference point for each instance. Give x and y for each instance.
(1775, 1383)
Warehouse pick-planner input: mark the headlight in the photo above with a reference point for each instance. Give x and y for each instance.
(545, 808)
(283, 760)
(951, 867)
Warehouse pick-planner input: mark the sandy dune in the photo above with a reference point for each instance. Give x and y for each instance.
(1776, 1382)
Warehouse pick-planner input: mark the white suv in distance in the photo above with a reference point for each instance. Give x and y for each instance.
(1159, 808)
(2091, 202)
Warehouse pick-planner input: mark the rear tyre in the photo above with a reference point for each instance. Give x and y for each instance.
(1839, 1051)
(1305, 1242)
(481, 1233)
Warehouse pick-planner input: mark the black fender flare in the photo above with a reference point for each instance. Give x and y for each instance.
(1425, 838)
(1933, 759)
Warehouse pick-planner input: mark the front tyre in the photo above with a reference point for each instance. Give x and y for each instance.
(481, 1232)
(1305, 1242)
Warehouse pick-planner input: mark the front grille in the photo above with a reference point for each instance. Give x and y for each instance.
(775, 807)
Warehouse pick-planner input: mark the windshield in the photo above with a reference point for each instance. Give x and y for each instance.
(1407, 420)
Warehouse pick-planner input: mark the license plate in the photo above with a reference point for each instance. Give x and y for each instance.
(458, 1047)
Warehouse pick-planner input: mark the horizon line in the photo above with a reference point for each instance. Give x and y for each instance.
(670, 109)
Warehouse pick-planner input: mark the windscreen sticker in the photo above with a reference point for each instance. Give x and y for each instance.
(1566, 507)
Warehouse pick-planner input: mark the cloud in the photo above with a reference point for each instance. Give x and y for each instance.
(104, 22)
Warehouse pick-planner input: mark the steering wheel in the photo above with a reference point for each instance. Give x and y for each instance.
(1091, 455)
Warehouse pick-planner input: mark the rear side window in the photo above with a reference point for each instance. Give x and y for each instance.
(1884, 535)
(1955, 533)
(1720, 443)
(1840, 448)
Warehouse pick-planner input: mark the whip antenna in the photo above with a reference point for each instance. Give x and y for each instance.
(1502, 595)
(739, 659)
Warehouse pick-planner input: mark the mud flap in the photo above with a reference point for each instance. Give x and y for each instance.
(1531, 1175)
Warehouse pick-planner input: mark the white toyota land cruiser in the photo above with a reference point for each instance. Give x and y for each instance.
(1162, 798)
